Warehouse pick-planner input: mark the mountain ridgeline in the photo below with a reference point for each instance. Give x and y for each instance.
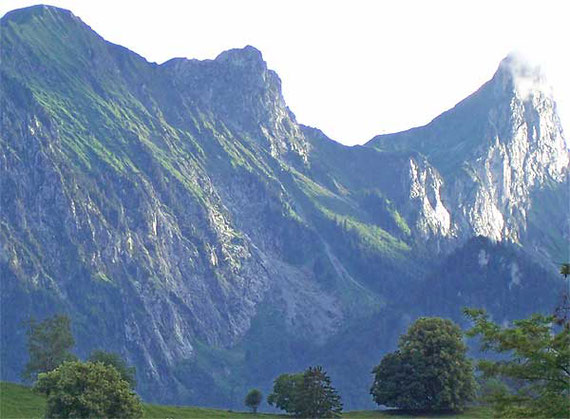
(183, 218)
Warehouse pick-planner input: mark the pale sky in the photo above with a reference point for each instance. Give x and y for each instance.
(354, 69)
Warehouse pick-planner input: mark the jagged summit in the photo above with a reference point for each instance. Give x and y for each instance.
(494, 149)
(245, 56)
(516, 78)
(518, 74)
(246, 63)
(518, 65)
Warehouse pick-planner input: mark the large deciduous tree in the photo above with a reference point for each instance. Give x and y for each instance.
(429, 371)
(309, 394)
(49, 345)
(114, 360)
(286, 389)
(87, 390)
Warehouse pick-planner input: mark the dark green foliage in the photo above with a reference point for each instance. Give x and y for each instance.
(318, 398)
(538, 361)
(429, 371)
(397, 381)
(49, 345)
(486, 270)
(286, 389)
(565, 269)
(114, 360)
(253, 399)
(308, 395)
(90, 389)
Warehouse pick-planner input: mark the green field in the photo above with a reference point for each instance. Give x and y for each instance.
(473, 412)
(17, 401)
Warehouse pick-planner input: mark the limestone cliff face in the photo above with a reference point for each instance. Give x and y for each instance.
(424, 187)
(492, 152)
(181, 217)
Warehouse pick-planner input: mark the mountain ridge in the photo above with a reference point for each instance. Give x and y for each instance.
(183, 218)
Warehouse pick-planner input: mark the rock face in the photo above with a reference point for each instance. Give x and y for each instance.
(183, 218)
(493, 150)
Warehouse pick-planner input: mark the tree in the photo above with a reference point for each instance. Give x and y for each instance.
(565, 269)
(318, 398)
(49, 345)
(429, 371)
(285, 392)
(112, 359)
(538, 361)
(307, 394)
(85, 390)
(562, 310)
(253, 399)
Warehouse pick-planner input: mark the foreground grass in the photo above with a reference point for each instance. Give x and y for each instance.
(175, 412)
(472, 412)
(17, 401)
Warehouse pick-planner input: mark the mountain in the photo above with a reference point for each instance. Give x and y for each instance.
(183, 218)
(494, 151)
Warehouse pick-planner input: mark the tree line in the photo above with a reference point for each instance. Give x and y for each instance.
(429, 371)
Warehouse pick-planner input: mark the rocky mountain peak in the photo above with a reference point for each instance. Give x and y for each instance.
(40, 10)
(247, 57)
(243, 69)
(494, 150)
(247, 67)
(238, 86)
(48, 15)
(518, 74)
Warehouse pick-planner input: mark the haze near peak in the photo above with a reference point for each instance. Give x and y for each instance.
(528, 77)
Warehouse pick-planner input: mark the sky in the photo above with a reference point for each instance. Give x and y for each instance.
(355, 68)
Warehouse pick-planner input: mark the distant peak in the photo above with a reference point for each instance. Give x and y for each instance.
(244, 57)
(40, 10)
(518, 73)
(519, 65)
